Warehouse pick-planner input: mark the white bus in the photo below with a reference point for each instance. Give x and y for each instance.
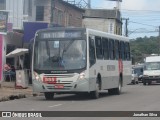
(77, 60)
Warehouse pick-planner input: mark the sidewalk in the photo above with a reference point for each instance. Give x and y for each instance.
(9, 92)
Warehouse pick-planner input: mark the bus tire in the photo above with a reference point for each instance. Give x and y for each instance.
(149, 83)
(95, 94)
(110, 91)
(117, 91)
(144, 82)
(49, 95)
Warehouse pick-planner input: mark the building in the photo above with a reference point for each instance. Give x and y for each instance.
(103, 20)
(17, 12)
(55, 12)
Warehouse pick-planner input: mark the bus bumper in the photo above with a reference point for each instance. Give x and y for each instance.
(74, 87)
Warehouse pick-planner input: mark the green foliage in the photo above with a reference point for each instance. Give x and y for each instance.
(142, 47)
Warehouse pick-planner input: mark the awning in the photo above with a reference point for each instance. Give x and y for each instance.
(17, 52)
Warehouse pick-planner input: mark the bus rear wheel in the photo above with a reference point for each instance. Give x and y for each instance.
(116, 91)
(49, 95)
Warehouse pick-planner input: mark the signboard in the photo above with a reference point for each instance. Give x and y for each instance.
(3, 21)
(30, 29)
(61, 34)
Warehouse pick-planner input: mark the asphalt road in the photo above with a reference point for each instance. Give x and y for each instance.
(133, 98)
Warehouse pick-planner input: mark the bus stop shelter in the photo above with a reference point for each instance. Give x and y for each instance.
(21, 73)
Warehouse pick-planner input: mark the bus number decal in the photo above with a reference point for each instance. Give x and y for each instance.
(50, 80)
(110, 67)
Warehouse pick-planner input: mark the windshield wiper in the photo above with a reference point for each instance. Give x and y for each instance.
(66, 48)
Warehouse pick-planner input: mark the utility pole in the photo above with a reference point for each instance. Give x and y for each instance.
(126, 26)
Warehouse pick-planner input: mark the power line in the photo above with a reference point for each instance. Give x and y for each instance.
(141, 10)
(143, 24)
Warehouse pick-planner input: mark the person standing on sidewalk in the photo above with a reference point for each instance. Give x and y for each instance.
(8, 70)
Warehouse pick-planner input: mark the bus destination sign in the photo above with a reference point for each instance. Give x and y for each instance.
(61, 34)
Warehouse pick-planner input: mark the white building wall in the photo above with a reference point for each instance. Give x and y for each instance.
(97, 24)
(16, 16)
(105, 25)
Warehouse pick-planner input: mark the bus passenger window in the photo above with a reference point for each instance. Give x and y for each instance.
(116, 47)
(127, 51)
(122, 50)
(99, 51)
(111, 49)
(92, 58)
(105, 48)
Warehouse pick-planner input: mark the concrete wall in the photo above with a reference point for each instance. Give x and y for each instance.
(103, 20)
(105, 25)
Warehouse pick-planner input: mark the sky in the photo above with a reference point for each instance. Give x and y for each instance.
(144, 15)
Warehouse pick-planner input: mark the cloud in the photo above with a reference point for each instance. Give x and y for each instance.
(128, 4)
(133, 4)
(141, 4)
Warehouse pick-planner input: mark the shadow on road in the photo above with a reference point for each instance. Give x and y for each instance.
(77, 97)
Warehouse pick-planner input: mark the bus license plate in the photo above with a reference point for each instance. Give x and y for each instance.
(59, 86)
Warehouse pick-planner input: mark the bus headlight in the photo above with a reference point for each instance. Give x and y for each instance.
(81, 76)
(37, 76)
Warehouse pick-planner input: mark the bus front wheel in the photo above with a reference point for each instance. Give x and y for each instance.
(95, 94)
(49, 95)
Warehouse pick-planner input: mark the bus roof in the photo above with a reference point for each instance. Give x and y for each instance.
(91, 31)
(109, 35)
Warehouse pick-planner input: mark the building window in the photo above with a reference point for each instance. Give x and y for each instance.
(70, 20)
(40, 13)
(2, 4)
(60, 17)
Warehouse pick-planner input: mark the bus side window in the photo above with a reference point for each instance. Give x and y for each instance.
(122, 50)
(127, 51)
(111, 49)
(116, 47)
(99, 51)
(92, 58)
(105, 48)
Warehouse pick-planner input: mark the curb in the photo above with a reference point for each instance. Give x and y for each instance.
(12, 97)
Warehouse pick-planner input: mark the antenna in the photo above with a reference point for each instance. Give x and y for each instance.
(118, 3)
(80, 3)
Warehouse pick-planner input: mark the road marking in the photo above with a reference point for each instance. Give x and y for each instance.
(55, 105)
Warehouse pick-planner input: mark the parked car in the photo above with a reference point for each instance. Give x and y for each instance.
(134, 77)
(139, 71)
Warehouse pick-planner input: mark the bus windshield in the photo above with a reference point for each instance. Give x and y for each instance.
(152, 66)
(57, 54)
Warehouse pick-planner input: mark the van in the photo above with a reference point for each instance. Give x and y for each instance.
(151, 70)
